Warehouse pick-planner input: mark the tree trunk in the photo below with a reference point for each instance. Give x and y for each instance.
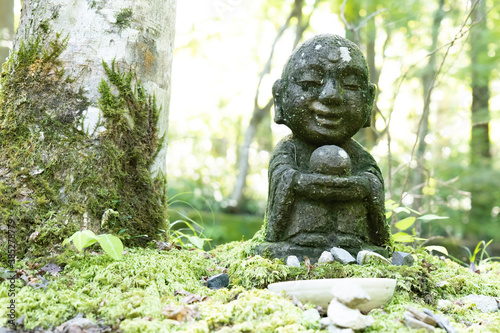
(6, 28)
(259, 113)
(428, 75)
(83, 142)
(480, 155)
(367, 136)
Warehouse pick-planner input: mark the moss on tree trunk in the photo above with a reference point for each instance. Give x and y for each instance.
(55, 178)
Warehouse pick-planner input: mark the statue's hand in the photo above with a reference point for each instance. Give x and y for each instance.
(332, 188)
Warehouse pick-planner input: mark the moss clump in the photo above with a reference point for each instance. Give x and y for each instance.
(123, 18)
(56, 178)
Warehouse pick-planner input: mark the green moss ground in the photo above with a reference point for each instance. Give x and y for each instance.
(133, 291)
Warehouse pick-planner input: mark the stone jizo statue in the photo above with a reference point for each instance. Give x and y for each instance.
(325, 189)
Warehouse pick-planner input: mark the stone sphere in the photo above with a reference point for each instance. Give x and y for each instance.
(330, 160)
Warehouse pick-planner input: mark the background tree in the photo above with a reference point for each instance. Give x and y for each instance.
(261, 112)
(481, 182)
(81, 133)
(428, 77)
(6, 27)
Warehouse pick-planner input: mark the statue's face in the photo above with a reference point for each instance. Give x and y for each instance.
(324, 95)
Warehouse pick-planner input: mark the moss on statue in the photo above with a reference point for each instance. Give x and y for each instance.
(56, 178)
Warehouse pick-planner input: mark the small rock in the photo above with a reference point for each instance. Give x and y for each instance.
(350, 294)
(75, 329)
(444, 305)
(334, 329)
(325, 257)
(325, 322)
(6, 330)
(311, 315)
(292, 261)
(51, 268)
(76, 325)
(419, 315)
(442, 321)
(345, 317)
(402, 258)
(218, 281)
(342, 255)
(20, 320)
(364, 257)
(412, 322)
(484, 304)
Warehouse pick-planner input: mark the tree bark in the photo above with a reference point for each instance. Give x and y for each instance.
(83, 120)
(480, 155)
(420, 174)
(259, 113)
(6, 28)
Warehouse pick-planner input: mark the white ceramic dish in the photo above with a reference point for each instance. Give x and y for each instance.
(318, 291)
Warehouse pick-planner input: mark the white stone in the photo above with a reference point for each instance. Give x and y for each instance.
(325, 257)
(444, 305)
(483, 303)
(350, 293)
(342, 316)
(342, 255)
(311, 315)
(364, 257)
(344, 53)
(414, 323)
(325, 322)
(292, 261)
(334, 329)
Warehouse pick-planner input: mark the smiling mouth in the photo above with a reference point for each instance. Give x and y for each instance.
(324, 116)
(327, 121)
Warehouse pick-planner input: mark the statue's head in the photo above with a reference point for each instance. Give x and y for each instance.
(324, 95)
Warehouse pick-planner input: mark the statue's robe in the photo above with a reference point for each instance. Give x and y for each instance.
(312, 222)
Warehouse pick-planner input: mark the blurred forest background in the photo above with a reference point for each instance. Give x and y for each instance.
(436, 122)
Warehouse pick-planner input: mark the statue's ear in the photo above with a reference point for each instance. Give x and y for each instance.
(277, 96)
(372, 92)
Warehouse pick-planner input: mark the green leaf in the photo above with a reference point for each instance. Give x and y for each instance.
(437, 248)
(405, 223)
(112, 245)
(390, 205)
(82, 239)
(388, 215)
(430, 217)
(197, 241)
(402, 237)
(401, 209)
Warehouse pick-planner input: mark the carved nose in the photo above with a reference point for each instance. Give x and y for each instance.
(331, 93)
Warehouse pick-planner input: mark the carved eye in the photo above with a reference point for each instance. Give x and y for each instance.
(352, 82)
(310, 79)
(352, 87)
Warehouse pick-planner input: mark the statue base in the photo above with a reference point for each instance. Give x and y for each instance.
(282, 250)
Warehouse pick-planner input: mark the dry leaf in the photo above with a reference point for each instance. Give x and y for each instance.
(307, 262)
(183, 313)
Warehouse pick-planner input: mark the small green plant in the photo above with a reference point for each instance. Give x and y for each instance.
(192, 234)
(472, 256)
(111, 244)
(403, 237)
